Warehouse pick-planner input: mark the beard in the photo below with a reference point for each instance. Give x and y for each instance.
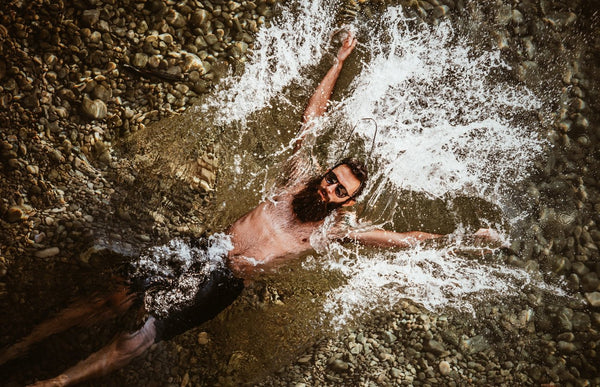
(308, 205)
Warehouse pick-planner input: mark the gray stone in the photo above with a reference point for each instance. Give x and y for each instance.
(444, 367)
(46, 253)
(95, 109)
(593, 298)
(581, 321)
(339, 366)
(435, 347)
(564, 319)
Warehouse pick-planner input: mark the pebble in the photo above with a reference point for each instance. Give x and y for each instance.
(203, 338)
(47, 253)
(15, 214)
(444, 367)
(95, 109)
(593, 298)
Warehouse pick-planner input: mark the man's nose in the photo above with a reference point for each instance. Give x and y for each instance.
(331, 189)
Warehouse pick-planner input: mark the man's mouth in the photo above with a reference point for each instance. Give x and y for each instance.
(322, 195)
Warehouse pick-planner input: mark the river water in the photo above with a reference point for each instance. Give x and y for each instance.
(466, 137)
(457, 136)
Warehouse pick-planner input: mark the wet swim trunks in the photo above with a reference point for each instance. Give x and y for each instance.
(182, 285)
(216, 293)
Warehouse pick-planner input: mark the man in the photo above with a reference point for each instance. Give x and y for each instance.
(275, 231)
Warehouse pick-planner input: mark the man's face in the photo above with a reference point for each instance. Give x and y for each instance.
(324, 194)
(339, 185)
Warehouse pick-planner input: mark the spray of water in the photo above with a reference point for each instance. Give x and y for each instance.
(281, 52)
(446, 126)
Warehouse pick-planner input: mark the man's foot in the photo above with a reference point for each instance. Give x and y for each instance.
(59, 381)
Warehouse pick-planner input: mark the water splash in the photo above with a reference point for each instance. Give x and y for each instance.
(449, 125)
(178, 256)
(448, 277)
(445, 125)
(281, 54)
(172, 274)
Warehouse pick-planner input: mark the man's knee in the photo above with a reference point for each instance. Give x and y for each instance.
(134, 344)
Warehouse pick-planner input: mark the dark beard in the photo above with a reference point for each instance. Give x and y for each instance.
(308, 205)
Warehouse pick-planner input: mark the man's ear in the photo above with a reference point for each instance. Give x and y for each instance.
(349, 202)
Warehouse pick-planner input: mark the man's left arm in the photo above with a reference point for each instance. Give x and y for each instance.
(384, 238)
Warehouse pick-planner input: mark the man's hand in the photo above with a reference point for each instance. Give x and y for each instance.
(487, 235)
(347, 46)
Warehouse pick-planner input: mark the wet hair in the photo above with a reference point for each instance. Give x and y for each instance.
(359, 170)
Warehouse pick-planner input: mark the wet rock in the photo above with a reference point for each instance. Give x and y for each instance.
(435, 347)
(175, 19)
(95, 109)
(47, 253)
(140, 60)
(444, 368)
(564, 319)
(581, 321)
(15, 214)
(90, 17)
(566, 347)
(203, 338)
(475, 344)
(339, 366)
(593, 298)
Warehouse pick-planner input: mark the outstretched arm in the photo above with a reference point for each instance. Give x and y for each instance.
(383, 238)
(317, 105)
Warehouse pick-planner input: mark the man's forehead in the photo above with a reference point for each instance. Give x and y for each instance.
(346, 177)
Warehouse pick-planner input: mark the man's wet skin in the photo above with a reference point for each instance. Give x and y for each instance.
(272, 231)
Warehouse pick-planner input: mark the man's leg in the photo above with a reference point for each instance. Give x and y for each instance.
(80, 313)
(124, 348)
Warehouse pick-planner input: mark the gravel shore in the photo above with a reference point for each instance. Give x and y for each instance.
(78, 78)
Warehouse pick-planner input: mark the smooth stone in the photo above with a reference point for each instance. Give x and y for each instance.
(203, 338)
(566, 347)
(590, 282)
(581, 321)
(199, 17)
(475, 344)
(46, 253)
(435, 347)
(102, 93)
(517, 16)
(14, 214)
(564, 319)
(95, 109)
(140, 60)
(593, 298)
(339, 366)
(444, 368)
(175, 19)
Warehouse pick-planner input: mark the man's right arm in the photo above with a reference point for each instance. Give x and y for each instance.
(317, 105)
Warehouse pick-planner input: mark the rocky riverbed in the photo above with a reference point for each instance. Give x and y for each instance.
(80, 79)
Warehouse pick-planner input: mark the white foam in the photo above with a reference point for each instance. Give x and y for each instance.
(282, 52)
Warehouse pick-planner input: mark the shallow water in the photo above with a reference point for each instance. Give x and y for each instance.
(456, 137)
